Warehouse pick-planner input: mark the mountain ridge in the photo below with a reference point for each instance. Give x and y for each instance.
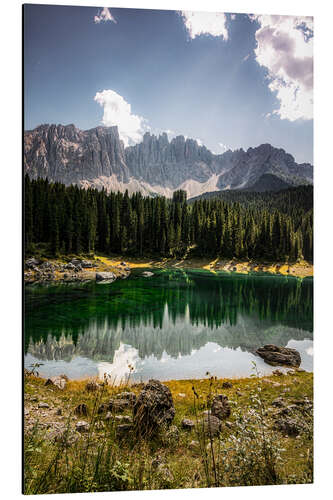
(97, 158)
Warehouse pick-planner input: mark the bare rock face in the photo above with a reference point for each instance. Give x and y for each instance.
(69, 155)
(275, 356)
(97, 158)
(153, 408)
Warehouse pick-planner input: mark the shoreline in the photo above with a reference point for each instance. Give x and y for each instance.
(55, 269)
(126, 382)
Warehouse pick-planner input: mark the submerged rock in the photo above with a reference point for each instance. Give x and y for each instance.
(147, 274)
(274, 355)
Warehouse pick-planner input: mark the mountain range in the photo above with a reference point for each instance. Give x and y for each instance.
(97, 158)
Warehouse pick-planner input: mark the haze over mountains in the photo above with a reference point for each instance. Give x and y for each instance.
(97, 158)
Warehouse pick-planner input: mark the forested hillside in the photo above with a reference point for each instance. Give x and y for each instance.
(272, 226)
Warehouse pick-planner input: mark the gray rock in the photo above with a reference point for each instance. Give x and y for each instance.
(130, 396)
(123, 430)
(118, 404)
(220, 407)
(278, 402)
(81, 410)
(82, 426)
(147, 274)
(75, 262)
(187, 424)
(105, 276)
(87, 264)
(103, 408)
(92, 386)
(43, 405)
(210, 425)
(288, 426)
(226, 385)
(154, 407)
(31, 263)
(58, 381)
(123, 419)
(275, 355)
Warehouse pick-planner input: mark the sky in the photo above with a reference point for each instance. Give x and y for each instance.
(229, 81)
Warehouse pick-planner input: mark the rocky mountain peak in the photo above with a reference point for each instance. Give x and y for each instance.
(97, 157)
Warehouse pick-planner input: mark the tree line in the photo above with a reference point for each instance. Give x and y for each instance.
(73, 220)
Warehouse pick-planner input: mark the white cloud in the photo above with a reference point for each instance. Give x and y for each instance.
(118, 112)
(285, 48)
(224, 147)
(170, 134)
(105, 16)
(205, 23)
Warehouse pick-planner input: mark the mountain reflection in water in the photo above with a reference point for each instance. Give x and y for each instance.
(176, 324)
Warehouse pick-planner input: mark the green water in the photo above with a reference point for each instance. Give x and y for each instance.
(175, 324)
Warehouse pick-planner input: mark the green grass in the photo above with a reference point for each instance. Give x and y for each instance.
(248, 452)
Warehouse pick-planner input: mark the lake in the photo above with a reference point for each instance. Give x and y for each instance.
(177, 324)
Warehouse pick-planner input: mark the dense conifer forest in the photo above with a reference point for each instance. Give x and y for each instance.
(71, 220)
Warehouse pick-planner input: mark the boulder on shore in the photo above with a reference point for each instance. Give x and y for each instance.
(153, 408)
(275, 356)
(59, 381)
(105, 276)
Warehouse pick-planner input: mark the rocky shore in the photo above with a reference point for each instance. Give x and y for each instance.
(74, 270)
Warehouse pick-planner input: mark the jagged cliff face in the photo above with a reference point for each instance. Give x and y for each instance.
(69, 155)
(97, 158)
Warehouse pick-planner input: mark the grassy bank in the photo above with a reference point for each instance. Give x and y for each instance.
(249, 450)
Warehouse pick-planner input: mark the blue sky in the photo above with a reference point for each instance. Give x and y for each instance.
(229, 81)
